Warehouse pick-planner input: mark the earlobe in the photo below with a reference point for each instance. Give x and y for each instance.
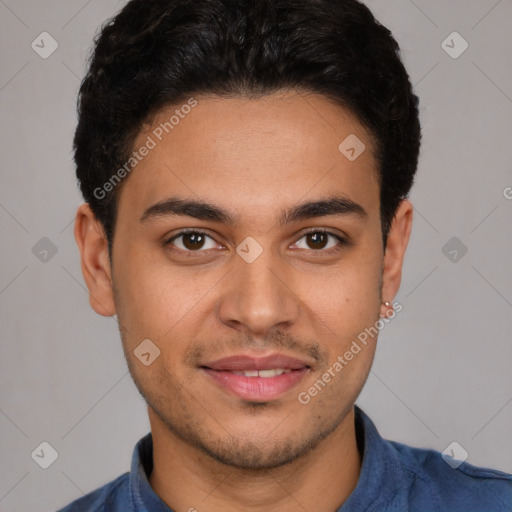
(398, 239)
(93, 246)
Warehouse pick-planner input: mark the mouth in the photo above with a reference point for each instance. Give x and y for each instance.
(257, 379)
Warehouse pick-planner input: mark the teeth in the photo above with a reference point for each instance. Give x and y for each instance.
(250, 373)
(263, 373)
(270, 373)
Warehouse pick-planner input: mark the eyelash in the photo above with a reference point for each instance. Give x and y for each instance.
(189, 253)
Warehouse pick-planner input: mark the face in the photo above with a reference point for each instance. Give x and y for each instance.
(248, 249)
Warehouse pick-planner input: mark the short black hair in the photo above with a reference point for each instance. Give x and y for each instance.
(156, 53)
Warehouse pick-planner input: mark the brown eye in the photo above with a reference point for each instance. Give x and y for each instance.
(320, 241)
(317, 240)
(191, 241)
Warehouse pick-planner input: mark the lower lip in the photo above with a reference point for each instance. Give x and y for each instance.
(257, 389)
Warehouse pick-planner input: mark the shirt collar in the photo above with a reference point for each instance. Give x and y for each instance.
(378, 487)
(382, 484)
(144, 499)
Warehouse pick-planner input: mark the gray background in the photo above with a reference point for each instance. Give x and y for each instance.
(442, 370)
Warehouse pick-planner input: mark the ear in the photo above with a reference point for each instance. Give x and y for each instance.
(398, 238)
(92, 243)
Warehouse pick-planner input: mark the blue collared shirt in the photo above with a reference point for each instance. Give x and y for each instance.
(394, 478)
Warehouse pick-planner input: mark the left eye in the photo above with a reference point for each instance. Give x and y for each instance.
(318, 240)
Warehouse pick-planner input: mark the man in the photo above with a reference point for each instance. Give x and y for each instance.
(246, 167)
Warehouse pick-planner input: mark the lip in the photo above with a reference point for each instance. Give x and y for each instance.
(245, 362)
(256, 389)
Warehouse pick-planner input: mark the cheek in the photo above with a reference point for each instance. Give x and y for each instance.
(345, 299)
(167, 306)
(150, 296)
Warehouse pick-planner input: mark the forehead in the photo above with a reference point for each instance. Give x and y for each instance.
(253, 153)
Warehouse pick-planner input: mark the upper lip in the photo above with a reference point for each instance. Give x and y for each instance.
(246, 362)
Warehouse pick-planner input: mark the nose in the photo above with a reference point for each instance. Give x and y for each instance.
(260, 296)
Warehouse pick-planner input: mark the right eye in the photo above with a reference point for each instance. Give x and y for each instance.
(191, 241)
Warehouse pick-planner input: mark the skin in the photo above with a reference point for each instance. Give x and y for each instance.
(255, 158)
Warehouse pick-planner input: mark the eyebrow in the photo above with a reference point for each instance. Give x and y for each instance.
(176, 206)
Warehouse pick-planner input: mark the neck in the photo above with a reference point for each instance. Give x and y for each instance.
(187, 479)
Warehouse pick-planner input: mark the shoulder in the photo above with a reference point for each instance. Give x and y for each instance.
(452, 485)
(106, 498)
